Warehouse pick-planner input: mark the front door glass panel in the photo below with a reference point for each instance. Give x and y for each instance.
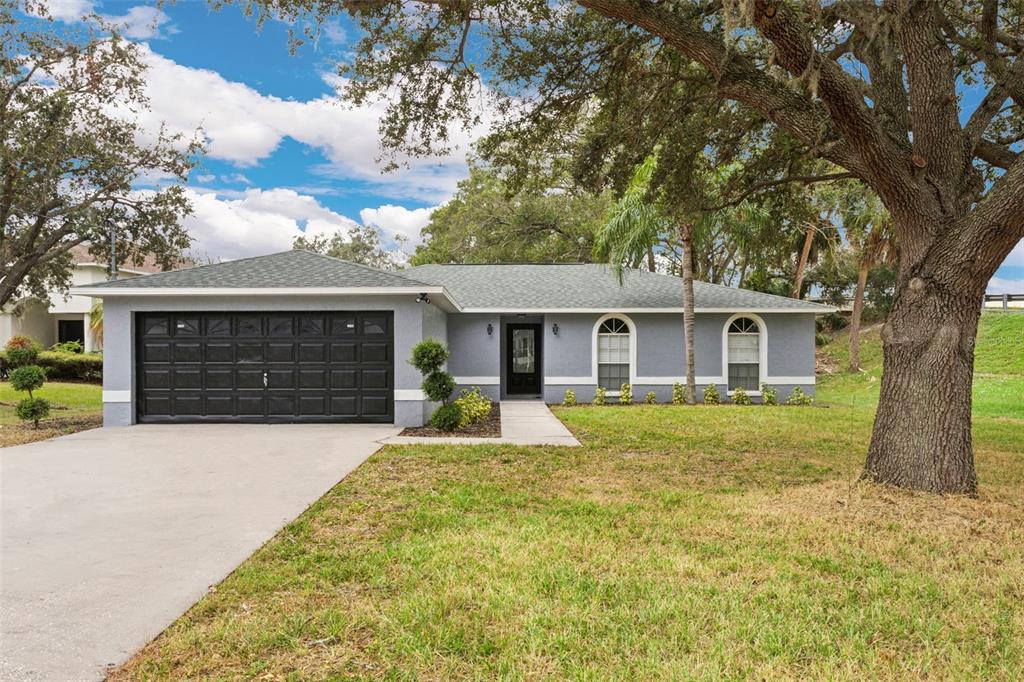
(524, 355)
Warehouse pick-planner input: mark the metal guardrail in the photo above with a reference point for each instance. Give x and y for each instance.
(1005, 301)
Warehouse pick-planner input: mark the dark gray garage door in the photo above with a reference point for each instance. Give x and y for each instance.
(265, 367)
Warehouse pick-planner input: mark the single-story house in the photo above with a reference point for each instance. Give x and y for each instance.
(300, 337)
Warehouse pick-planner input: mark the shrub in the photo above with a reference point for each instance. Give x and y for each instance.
(429, 356)
(798, 397)
(32, 410)
(82, 366)
(27, 378)
(21, 350)
(68, 347)
(446, 417)
(740, 397)
(625, 394)
(473, 406)
(570, 398)
(711, 396)
(769, 396)
(678, 393)
(599, 395)
(652, 397)
(438, 386)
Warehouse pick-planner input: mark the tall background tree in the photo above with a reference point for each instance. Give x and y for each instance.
(72, 156)
(883, 91)
(358, 245)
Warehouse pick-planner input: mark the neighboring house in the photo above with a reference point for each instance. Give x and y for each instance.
(295, 336)
(66, 317)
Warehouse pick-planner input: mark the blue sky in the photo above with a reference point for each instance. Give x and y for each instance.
(283, 155)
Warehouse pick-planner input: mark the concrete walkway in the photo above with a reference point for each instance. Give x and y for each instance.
(107, 536)
(523, 422)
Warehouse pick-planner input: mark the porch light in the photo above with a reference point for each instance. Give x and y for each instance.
(554, 329)
(423, 298)
(490, 329)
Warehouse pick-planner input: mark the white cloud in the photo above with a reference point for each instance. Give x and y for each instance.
(1016, 257)
(398, 221)
(243, 126)
(228, 225)
(68, 10)
(1001, 285)
(142, 23)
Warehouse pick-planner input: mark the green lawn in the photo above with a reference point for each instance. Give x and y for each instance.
(678, 543)
(75, 406)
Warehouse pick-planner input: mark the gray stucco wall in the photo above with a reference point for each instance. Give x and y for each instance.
(475, 358)
(412, 320)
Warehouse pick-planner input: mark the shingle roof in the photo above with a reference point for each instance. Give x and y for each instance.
(511, 287)
(587, 286)
(285, 270)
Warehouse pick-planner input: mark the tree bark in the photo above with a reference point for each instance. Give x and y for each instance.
(801, 266)
(858, 309)
(922, 432)
(650, 259)
(686, 236)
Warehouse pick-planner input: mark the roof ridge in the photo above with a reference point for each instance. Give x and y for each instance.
(361, 265)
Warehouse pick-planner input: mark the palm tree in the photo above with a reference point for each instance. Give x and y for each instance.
(869, 231)
(96, 322)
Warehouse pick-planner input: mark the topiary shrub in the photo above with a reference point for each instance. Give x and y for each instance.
(29, 378)
(570, 398)
(769, 396)
(678, 393)
(798, 397)
(599, 395)
(625, 394)
(651, 398)
(21, 350)
(473, 406)
(446, 417)
(429, 356)
(740, 397)
(711, 396)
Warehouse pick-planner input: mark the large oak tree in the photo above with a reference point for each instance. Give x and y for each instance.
(877, 88)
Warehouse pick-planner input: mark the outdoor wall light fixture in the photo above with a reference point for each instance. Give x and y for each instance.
(554, 329)
(423, 298)
(490, 329)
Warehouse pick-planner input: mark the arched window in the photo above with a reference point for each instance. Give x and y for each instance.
(744, 354)
(613, 353)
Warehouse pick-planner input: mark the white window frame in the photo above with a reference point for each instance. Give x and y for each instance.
(762, 351)
(632, 348)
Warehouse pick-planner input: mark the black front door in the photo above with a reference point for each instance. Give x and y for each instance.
(522, 369)
(265, 367)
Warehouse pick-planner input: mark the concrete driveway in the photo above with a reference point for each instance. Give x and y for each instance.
(107, 536)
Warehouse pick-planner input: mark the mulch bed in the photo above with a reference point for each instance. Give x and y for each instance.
(488, 428)
(19, 434)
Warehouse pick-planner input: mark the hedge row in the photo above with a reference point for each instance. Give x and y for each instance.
(80, 366)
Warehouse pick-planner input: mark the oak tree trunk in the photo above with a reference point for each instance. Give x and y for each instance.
(858, 309)
(686, 236)
(922, 432)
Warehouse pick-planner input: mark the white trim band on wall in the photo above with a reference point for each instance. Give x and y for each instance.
(409, 394)
(478, 381)
(667, 381)
(117, 396)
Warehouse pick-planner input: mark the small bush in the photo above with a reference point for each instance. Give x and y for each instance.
(73, 347)
(473, 406)
(711, 396)
(740, 397)
(678, 393)
(651, 398)
(625, 394)
(798, 397)
(769, 396)
(599, 395)
(570, 398)
(429, 356)
(21, 350)
(27, 378)
(446, 417)
(438, 386)
(32, 410)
